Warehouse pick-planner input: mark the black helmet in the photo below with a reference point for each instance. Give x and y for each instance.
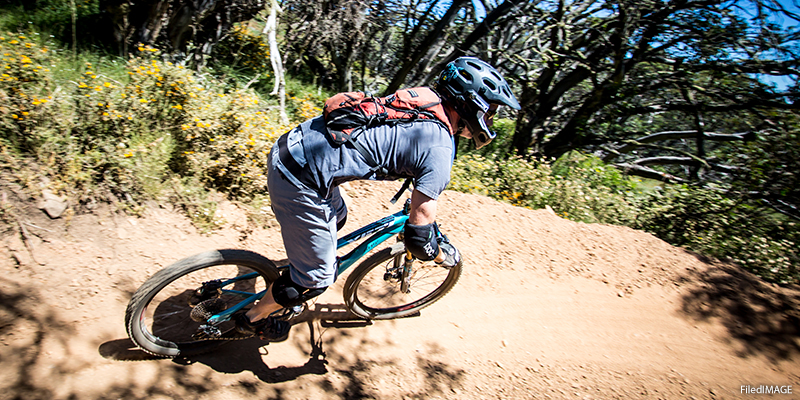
(472, 86)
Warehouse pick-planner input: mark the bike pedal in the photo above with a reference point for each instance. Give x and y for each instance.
(206, 309)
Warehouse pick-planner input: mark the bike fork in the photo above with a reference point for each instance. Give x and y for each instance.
(405, 286)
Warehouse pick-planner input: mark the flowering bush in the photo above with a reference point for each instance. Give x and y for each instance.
(26, 90)
(131, 134)
(243, 51)
(536, 185)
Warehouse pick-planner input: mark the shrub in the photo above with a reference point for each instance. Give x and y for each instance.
(242, 52)
(708, 222)
(578, 194)
(26, 90)
(135, 132)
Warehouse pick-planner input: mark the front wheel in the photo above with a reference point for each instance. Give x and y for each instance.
(159, 316)
(379, 289)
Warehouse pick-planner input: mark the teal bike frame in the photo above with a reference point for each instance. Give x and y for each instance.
(378, 232)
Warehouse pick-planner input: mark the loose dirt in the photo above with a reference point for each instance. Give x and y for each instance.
(546, 308)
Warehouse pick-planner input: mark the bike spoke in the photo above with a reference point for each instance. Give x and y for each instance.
(376, 293)
(167, 316)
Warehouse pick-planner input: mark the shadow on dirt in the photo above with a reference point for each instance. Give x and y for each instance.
(245, 355)
(25, 326)
(761, 318)
(354, 376)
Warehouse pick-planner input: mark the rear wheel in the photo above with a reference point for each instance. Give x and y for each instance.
(159, 316)
(377, 288)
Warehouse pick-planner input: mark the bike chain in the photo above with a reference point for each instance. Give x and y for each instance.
(223, 337)
(288, 316)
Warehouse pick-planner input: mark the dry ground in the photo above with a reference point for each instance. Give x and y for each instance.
(546, 308)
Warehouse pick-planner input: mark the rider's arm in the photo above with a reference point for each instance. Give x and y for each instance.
(423, 209)
(420, 236)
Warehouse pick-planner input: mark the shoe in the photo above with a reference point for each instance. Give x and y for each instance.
(269, 329)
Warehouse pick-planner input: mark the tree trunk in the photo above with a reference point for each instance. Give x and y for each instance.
(275, 59)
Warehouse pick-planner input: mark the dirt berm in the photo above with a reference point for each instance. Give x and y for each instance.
(546, 308)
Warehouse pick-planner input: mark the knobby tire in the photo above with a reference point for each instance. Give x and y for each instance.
(366, 296)
(137, 315)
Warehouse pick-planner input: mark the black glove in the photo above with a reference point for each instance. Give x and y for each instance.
(451, 253)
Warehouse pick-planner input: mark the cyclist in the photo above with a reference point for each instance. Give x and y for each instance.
(305, 170)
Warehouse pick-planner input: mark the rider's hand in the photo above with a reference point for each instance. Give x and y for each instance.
(449, 256)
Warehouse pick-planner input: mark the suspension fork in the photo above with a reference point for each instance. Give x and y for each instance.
(408, 261)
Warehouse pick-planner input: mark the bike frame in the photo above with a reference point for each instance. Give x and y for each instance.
(378, 232)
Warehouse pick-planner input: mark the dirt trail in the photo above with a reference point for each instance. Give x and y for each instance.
(546, 308)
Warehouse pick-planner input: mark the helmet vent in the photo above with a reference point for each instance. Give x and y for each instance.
(466, 75)
(489, 84)
(475, 65)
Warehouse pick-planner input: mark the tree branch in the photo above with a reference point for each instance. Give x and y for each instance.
(648, 173)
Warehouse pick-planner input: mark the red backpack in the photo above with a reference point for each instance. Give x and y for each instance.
(348, 114)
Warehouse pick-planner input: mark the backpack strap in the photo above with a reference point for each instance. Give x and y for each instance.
(375, 167)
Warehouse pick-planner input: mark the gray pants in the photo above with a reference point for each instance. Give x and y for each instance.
(308, 226)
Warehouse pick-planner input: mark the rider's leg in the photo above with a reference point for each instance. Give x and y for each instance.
(264, 307)
(308, 227)
(283, 293)
(339, 207)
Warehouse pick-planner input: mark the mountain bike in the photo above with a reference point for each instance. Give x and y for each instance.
(186, 308)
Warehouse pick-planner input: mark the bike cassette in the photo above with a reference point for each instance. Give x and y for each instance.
(206, 309)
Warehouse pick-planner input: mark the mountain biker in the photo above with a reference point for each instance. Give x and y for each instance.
(305, 170)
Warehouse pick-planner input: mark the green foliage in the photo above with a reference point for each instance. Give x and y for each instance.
(581, 188)
(50, 17)
(26, 88)
(305, 101)
(712, 224)
(576, 187)
(242, 52)
(136, 130)
(772, 162)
